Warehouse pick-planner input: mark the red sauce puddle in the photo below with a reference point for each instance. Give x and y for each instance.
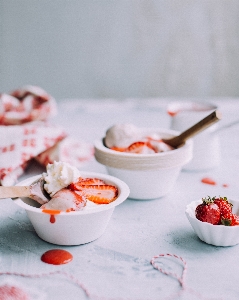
(208, 180)
(56, 257)
(52, 214)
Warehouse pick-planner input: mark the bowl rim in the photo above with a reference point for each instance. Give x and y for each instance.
(123, 193)
(176, 105)
(99, 144)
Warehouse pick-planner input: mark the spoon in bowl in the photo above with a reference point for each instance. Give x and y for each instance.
(34, 191)
(179, 140)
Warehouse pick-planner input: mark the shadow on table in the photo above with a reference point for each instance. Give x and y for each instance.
(189, 241)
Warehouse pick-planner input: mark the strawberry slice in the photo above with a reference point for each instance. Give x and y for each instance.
(91, 181)
(141, 148)
(100, 194)
(85, 181)
(95, 190)
(119, 149)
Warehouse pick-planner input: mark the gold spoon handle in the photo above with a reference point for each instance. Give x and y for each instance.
(179, 140)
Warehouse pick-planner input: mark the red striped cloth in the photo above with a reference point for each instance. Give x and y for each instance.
(26, 133)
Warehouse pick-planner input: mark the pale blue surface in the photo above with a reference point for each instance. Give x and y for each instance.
(117, 265)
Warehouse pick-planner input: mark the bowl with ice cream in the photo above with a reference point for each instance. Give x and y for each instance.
(71, 207)
(140, 157)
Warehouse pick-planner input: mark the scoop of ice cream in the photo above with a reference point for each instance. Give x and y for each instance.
(122, 135)
(66, 200)
(58, 176)
(158, 144)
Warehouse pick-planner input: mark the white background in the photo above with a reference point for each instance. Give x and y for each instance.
(123, 48)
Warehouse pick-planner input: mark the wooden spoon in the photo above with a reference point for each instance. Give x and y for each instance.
(179, 140)
(34, 191)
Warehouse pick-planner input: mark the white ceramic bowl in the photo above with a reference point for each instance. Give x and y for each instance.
(73, 228)
(217, 235)
(148, 176)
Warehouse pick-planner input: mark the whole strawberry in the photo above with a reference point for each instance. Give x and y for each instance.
(235, 220)
(225, 210)
(208, 211)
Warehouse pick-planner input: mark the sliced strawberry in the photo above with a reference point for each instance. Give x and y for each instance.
(141, 148)
(85, 181)
(119, 149)
(100, 194)
(91, 181)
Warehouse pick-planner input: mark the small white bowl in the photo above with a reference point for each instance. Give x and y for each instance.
(148, 176)
(217, 235)
(73, 228)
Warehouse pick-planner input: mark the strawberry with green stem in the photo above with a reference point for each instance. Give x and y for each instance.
(208, 211)
(225, 209)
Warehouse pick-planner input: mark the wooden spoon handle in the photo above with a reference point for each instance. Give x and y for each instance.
(14, 191)
(198, 127)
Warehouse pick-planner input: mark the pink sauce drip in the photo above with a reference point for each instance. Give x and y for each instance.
(52, 214)
(52, 219)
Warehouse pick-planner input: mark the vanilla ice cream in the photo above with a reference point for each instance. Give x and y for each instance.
(58, 176)
(122, 135)
(64, 200)
(158, 144)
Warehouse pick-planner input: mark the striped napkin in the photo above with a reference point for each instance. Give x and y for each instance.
(26, 133)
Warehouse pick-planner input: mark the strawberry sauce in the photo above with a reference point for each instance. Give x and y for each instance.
(56, 257)
(208, 180)
(52, 219)
(52, 214)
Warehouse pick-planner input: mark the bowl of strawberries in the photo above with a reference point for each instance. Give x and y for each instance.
(215, 220)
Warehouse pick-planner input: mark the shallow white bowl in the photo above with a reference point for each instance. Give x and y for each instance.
(148, 176)
(217, 235)
(73, 228)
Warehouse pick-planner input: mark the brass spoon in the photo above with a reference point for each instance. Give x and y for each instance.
(34, 191)
(179, 140)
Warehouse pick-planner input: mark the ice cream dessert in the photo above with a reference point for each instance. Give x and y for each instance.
(131, 139)
(68, 191)
(122, 135)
